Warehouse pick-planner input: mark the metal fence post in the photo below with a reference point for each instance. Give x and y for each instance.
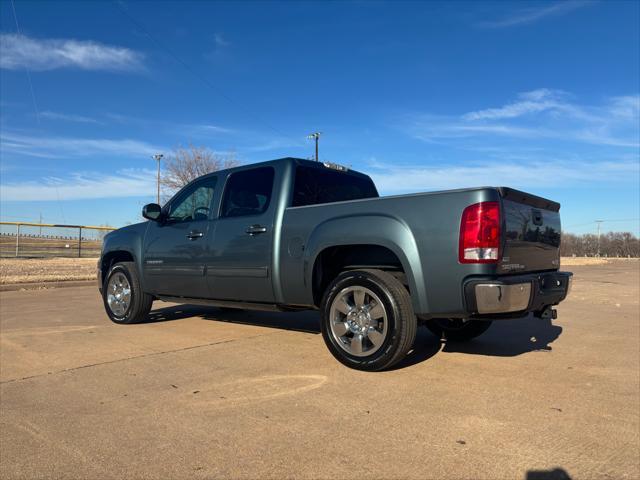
(17, 239)
(79, 242)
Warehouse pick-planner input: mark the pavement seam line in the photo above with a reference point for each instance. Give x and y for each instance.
(134, 358)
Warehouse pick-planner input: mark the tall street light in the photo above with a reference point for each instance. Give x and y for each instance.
(157, 157)
(315, 136)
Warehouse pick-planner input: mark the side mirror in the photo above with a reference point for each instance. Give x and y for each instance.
(152, 211)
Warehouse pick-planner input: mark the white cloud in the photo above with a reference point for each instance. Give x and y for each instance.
(49, 115)
(437, 129)
(529, 102)
(54, 147)
(394, 179)
(626, 107)
(537, 115)
(81, 186)
(221, 41)
(21, 51)
(532, 15)
(202, 130)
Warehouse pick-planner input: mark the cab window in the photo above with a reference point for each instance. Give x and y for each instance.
(194, 204)
(314, 185)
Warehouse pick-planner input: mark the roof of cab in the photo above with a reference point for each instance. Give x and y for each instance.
(298, 161)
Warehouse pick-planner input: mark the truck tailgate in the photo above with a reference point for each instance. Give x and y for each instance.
(532, 232)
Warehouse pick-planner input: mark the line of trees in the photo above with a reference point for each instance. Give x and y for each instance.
(611, 244)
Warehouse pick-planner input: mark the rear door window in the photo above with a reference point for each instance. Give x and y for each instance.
(248, 192)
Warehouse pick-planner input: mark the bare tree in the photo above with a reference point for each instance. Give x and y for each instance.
(188, 163)
(612, 244)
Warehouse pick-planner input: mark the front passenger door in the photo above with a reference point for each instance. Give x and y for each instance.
(176, 249)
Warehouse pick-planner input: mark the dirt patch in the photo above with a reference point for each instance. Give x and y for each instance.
(24, 270)
(572, 261)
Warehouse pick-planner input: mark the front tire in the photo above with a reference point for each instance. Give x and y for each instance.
(457, 330)
(122, 294)
(368, 321)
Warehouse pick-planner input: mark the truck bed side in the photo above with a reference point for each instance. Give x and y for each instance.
(421, 230)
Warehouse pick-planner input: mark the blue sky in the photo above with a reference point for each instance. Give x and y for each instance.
(542, 96)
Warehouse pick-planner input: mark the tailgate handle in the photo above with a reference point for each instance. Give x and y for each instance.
(537, 217)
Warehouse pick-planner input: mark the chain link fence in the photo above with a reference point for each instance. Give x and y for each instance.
(21, 239)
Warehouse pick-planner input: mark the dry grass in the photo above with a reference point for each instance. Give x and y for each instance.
(26, 270)
(48, 247)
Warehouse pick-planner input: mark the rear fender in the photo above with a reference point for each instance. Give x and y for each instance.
(381, 230)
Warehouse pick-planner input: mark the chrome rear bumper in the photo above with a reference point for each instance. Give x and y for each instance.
(498, 298)
(516, 293)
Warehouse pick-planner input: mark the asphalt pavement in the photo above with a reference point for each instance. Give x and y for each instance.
(202, 393)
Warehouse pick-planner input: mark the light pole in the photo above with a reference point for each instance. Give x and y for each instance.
(599, 222)
(157, 157)
(316, 137)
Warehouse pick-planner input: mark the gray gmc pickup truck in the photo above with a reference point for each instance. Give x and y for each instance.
(293, 234)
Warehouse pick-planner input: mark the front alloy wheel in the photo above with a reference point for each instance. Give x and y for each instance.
(124, 299)
(119, 294)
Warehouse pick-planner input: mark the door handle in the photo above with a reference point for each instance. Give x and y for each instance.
(256, 229)
(194, 234)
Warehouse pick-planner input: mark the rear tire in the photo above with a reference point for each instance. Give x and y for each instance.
(457, 330)
(368, 321)
(122, 294)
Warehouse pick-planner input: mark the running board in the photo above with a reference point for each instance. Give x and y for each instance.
(266, 307)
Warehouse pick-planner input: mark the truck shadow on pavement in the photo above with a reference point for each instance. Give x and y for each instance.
(508, 338)
(505, 338)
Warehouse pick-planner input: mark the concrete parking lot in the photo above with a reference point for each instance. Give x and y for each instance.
(201, 393)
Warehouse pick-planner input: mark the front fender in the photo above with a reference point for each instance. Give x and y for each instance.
(128, 239)
(375, 229)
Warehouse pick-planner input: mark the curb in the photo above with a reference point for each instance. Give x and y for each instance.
(45, 285)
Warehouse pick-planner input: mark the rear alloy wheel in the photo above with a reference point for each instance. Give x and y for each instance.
(359, 322)
(367, 319)
(457, 329)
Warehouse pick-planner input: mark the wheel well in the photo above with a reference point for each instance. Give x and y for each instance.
(114, 257)
(334, 260)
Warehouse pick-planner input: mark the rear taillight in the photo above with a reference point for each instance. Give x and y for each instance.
(480, 233)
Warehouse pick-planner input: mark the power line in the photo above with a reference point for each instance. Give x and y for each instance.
(603, 221)
(200, 77)
(622, 220)
(599, 222)
(33, 93)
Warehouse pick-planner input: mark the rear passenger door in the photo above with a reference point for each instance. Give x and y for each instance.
(240, 268)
